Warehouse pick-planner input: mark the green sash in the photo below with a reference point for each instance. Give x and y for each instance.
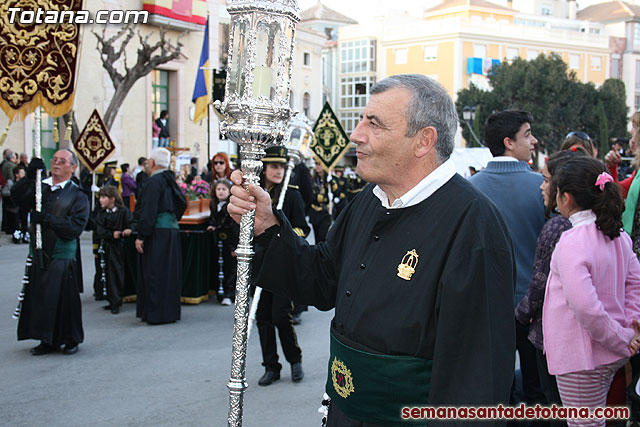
(65, 249)
(630, 205)
(62, 249)
(167, 220)
(374, 388)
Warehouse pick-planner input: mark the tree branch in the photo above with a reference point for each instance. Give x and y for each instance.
(149, 57)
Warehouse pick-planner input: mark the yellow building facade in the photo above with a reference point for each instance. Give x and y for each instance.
(458, 42)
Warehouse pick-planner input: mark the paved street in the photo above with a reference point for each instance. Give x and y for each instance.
(130, 374)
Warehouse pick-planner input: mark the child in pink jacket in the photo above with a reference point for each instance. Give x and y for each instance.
(592, 300)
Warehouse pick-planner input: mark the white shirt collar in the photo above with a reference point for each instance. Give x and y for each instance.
(504, 159)
(49, 182)
(115, 209)
(582, 218)
(425, 188)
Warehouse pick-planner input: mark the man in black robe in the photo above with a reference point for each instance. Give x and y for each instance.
(160, 261)
(51, 310)
(419, 268)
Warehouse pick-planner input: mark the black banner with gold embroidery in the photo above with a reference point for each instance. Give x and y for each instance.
(330, 141)
(94, 144)
(37, 61)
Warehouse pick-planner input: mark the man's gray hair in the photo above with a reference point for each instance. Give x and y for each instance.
(161, 156)
(74, 158)
(430, 105)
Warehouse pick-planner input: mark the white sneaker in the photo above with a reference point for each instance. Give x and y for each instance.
(226, 301)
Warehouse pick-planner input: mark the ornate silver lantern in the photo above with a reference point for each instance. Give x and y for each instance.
(256, 114)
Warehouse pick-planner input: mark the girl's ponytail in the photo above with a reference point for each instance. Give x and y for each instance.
(608, 209)
(593, 188)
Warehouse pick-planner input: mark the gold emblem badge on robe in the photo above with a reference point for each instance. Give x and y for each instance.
(408, 265)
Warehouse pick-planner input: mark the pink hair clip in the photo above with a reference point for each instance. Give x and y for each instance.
(602, 180)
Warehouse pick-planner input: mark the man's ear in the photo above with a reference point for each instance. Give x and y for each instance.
(508, 143)
(426, 141)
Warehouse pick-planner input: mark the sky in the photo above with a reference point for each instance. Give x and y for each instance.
(361, 10)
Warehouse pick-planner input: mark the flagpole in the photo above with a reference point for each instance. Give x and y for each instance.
(209, 138)
(210, 91)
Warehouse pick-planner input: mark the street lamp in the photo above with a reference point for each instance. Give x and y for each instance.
(256, 115)
(469, 115)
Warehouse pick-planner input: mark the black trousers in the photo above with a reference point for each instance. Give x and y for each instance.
(275, 311)
(229, 269)
(548, 385)
(529, 370)
(321, 229)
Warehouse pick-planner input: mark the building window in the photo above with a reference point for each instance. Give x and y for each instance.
(430, 53)
(479, 51)
(306, 103)
(615, 66)
(596, 63)
(636, 36)
(358, 56)
(354, 91)
(306, 59)
(401, 56)
(637, 102)
(532, 54)
(546, 10)
(574, 62)
(159, 91)
(512, 53)
(349, 120)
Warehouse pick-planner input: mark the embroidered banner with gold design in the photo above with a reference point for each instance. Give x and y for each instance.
(37, 61)
(331, 141)
(94, 144)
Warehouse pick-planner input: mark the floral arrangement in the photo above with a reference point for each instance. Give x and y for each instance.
(196, 190)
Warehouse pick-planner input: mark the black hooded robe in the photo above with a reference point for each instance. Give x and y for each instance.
(51, 310)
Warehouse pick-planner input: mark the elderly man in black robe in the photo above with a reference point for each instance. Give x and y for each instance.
(160, 261)
(51, 310)
(419, 268)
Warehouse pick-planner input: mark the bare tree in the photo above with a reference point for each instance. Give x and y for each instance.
(150, 56)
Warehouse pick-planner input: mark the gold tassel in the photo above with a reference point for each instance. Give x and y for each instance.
(55, 133)
(67, 134)
(3, 137)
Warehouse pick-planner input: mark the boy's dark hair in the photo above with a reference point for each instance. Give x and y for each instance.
(578, 177)
(110, 191)
(124, 167)
(141, 160)
(163, 114)
(501, 125)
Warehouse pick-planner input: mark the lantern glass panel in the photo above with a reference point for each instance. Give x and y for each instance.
(295, 140)
(237, 77)
(267, 55)
(288, 36)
